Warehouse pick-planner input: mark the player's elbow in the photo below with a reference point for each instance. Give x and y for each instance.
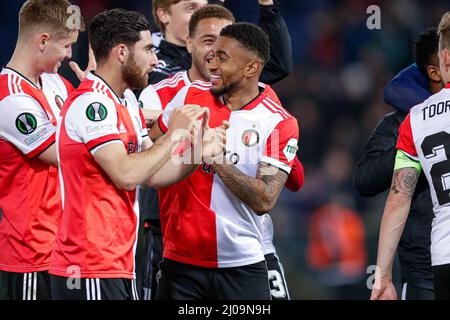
(263, 207)
(126, 182)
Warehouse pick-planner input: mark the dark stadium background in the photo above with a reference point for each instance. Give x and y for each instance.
(326, 235)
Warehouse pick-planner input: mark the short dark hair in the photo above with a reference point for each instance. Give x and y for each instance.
(425, 48)
(251, 37)
(112, 27)
(206, 12)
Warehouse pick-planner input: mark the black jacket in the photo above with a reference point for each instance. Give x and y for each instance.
(173, 58)
(373, 175)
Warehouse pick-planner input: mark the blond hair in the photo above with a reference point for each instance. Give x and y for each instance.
(165, 6)
(444, 31)
(57, 15)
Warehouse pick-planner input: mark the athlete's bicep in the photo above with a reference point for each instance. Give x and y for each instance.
(49, 156)
(111, 158)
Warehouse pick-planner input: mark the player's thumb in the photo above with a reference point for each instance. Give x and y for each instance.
(77, 70)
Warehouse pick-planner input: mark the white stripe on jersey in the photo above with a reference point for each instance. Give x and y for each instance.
(34, 285)
(88, 289)
(97, 285)
(24, 294)
(171, 82)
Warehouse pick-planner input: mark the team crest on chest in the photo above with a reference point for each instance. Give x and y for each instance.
(59, 101)
(96, 112)
(250, 138)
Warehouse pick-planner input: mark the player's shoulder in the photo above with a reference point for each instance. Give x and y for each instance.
(15, 93)
(12, 85)
(199, 87)
(149, 90)
(273, 107)
(171, 82)
(90, 100)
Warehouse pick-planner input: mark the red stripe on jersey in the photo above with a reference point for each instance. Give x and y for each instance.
(67, 84)
(102, 140)
(405, 140)
(273, 110)
(169, 82)
(278, 108)
(4, 87)
(161, 124)
(14, 84)
(42, 147)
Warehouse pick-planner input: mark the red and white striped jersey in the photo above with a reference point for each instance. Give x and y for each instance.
(425, 136)
(98, 229)
(30, 201)
(203, 222)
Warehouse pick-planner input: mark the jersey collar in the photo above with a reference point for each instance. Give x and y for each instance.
(95, 77)
(8, 70)
(252, 103)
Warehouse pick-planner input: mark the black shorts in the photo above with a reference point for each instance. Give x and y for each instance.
(154, 248)
(181, 281)
(413, 292)
(277, 281)
(93, 289)
(25, 286)
(441, 282)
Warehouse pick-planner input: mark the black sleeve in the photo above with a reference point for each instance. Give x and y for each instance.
(373, 173)
(280, 64)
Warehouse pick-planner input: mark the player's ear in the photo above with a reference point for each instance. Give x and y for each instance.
(163, 16)
(434, 73)
(43, 39)
(121, 52)
(189, 44)
(252, 68)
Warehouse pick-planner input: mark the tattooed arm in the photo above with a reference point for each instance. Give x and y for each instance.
(394, 218)
(260, 193)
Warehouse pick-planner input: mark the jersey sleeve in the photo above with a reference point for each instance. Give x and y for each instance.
(405, 141)
(143, 127)
(282, 145)
(26, 125)
(149, 99)
(92, 118)
(177, 102)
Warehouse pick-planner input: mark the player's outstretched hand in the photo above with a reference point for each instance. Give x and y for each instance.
(92, 66)
(383, 290)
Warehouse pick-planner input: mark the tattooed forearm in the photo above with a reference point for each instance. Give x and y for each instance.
(258, 193)
(404, 181)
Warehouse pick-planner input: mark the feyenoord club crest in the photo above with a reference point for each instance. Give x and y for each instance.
(96, 112)
(26, 123)
(59, 101)
(250, 138)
